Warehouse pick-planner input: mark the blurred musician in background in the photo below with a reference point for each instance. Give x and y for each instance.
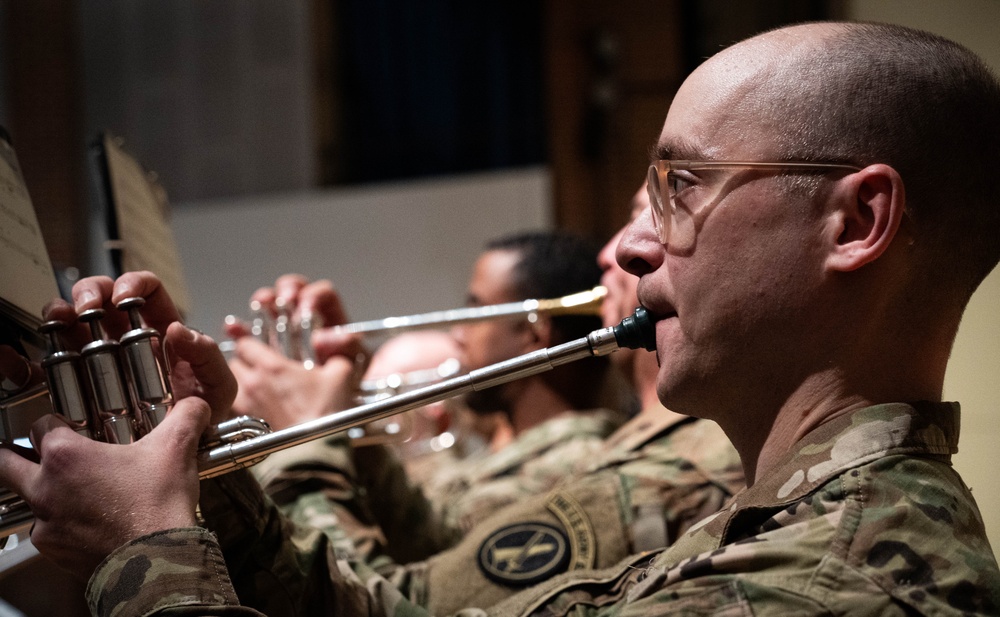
(439, 435)
(556, 421)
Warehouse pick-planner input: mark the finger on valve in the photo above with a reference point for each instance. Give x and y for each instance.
(264, 299)
(321, 300)
(287, 290)
(158, 309)
(95, 293)
(100, 292)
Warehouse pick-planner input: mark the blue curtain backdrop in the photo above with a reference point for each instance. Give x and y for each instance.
(438, 87)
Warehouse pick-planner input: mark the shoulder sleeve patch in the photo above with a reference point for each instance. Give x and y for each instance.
(524, 554)
(582, 539)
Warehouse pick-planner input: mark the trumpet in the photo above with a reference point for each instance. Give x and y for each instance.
(292, 338)
(244, 441)
(580, 303)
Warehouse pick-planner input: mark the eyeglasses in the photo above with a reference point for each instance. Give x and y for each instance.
(687, 193)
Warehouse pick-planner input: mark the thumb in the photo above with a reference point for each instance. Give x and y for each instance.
(183, 426)
(17, 472)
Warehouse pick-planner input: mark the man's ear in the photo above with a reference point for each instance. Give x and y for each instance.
(866, 215)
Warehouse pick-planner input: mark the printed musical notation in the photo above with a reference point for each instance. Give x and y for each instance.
(28, 282)
(147, 241)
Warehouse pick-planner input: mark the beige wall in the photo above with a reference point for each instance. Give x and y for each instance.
(391, 248)
(974, 370)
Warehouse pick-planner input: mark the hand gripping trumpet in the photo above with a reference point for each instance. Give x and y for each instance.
(243, 441)
(114, 391)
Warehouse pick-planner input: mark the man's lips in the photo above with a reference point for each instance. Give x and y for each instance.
(658, 311)
(661, 314)
(659, 307)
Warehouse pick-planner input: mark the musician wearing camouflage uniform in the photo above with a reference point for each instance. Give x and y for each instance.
(808, 306)
(651, 480)
(555, 416)
(836, 529)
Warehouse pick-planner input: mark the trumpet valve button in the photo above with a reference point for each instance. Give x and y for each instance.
(134, 302)
(90, 315)
(132, 306)
(51, 330)
(93, 317)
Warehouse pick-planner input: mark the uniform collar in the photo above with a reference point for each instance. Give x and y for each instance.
(926, 430)
(650, 424)
(923, 429)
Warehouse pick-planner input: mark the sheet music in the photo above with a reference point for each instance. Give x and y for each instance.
(146, 236)
(28, 281)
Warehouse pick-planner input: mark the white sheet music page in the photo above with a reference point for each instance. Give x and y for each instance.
(28, 281)
(148, 240)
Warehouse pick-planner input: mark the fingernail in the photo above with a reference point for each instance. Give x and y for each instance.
(85, 297)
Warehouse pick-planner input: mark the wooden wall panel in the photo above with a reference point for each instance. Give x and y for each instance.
(612, 71)
(45, 115)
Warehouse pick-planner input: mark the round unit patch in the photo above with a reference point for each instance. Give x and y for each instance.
(524, 554)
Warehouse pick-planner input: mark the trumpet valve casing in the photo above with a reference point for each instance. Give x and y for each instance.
(66, 390)
(108, 382)
(147, 368)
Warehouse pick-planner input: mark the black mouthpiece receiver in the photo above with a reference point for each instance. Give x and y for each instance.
(636, 331)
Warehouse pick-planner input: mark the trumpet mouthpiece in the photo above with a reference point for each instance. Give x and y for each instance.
(637, 331)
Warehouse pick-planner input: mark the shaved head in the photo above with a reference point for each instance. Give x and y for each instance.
(865, 93)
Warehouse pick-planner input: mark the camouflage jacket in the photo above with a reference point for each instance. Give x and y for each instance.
(370, 508)
(864, 515)
(654, 478)
(537, 459)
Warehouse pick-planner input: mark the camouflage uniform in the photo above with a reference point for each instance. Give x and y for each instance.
(537, 459)
(657, 476)
(368, 505)
(864, 515)
(654, 478)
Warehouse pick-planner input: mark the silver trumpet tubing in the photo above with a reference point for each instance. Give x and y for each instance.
(292, 337)
(396, 383)
(581, 303)
(241, 442)
(633, 332)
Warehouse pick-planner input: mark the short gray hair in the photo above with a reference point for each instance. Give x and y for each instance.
(923, 104)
